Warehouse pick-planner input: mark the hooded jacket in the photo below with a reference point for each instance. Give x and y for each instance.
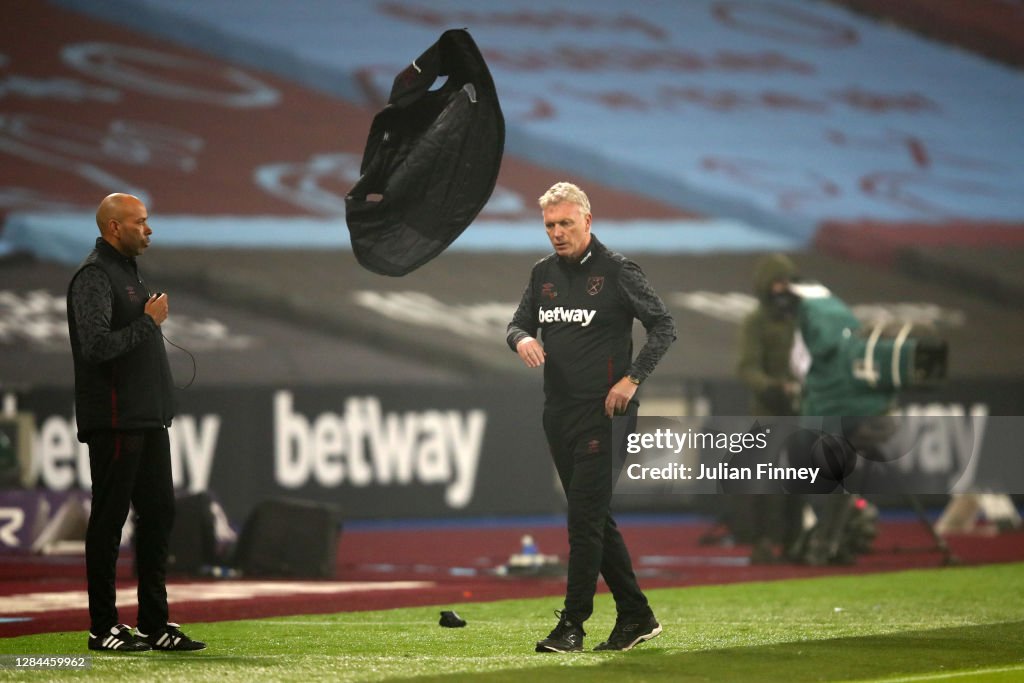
(766, 339)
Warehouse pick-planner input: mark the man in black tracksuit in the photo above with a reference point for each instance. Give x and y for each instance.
(124, 405)
(585, 298)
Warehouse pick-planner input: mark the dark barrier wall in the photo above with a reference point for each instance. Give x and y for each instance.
(389, 452)
(375, 452)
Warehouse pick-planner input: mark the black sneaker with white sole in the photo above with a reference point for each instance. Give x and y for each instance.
(171, 638)
(630, 632)
(567, 636)
(118, 639)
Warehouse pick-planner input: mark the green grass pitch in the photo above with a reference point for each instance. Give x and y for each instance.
(955, 624)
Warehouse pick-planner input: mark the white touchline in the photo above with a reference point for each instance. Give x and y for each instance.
(202, 592)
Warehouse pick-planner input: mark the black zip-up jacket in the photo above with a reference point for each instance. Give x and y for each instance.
(585, 310)
(122, 377)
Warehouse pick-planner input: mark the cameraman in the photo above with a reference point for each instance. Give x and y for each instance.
(826, 355)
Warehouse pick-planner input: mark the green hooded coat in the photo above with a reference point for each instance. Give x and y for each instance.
(766, 338)
(829, 329)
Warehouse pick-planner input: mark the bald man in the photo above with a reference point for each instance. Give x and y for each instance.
(124, 404)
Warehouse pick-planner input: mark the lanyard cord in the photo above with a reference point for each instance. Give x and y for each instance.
(194, 366)
(193, 379)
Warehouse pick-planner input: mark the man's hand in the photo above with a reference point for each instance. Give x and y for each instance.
(156, 308)
(619, 397)
(530, 350)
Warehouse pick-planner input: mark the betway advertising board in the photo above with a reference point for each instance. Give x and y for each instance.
(375, 452)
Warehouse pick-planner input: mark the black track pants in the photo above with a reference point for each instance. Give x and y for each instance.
(129, 467)
(580, 439)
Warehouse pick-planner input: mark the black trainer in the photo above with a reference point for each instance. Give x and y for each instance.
(630, 632)
(566, 637)
(120, 639)
(171, 638)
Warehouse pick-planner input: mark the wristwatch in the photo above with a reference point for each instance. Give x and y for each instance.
(633, 379)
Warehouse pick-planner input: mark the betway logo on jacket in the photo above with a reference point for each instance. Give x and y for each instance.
(560, 314)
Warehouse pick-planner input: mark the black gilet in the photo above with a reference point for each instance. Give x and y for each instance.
(133, 390)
